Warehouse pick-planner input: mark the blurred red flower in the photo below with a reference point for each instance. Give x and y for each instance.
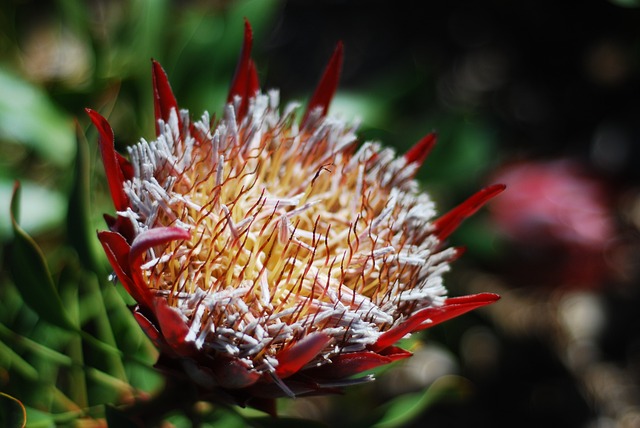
(560, 216)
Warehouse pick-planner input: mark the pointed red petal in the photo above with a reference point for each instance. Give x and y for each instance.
(117, 250)
(419, 152)
(140, 245)
(295, 357)
(328, 84)
(429, 317)
(240, 78)
(446, 224)
(245, 80)
(174, 329)
(346, 365)
(393, 335)
(112, 168)
(456, 306)
(163, 99)
(153, 237)
(152, 332)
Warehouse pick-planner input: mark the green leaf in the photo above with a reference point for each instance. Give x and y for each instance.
(31, 274)
(12, 412)
(21, 343)
(10, 360)
(407, 407)
(79, 227)
(76, 375)
(46, 208)
(28, 117)
(39, 419)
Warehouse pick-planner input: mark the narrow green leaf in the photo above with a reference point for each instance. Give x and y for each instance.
(12, 412)
(39, 419)
(406, 408)
(46, 207)
(31, 274)
(14, 363)
(76, 375)
(106, 380)
(79, 229)
(23, 342)
(101, 319)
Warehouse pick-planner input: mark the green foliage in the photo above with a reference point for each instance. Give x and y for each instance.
(408, 407)
(32, 276)
(60, 350)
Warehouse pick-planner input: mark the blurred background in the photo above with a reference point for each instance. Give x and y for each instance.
(543, 96)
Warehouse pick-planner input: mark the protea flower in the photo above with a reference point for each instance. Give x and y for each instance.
(274, 257)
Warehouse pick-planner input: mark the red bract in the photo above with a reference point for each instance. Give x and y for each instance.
(270, 258)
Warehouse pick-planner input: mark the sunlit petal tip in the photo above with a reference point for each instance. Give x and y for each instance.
(245, 80)
(300, 353)
(112, 167)
(328, 84)
(456, 306)
(446, 224)
(153, 237)
(419, 152)
(163, 99)
(473, 300)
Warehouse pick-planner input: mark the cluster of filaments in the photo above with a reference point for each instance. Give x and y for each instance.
(293, 230)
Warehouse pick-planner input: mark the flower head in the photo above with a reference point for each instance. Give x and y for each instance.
(270, 256)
